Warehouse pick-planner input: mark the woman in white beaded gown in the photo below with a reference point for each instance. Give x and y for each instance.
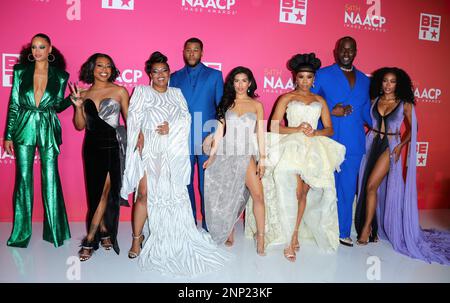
(299, 188)
(161, 173)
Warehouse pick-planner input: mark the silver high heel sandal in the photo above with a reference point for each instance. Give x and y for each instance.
(132, 254)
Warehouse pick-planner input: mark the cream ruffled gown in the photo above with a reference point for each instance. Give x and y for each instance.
(314, 159)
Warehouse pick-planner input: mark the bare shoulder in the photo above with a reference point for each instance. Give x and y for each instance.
(123, 91)
(118, 88)
(319, 98)
(285, 98)
(258, 104)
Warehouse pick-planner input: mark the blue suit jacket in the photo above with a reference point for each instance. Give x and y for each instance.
(203, 99)
(333, 86)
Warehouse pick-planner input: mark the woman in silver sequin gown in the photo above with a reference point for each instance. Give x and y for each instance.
(236, 160)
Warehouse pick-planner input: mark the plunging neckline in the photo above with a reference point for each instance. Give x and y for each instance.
(386, 115)
(37, 104)
(347, 80)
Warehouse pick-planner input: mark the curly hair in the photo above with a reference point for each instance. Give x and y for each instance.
(404, 89)
(229, 93)
(155, 57)
(25, 52)
(87, 69)
(304, 62)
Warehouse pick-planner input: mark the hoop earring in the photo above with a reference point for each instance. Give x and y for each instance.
(32, 58)
(53, 58)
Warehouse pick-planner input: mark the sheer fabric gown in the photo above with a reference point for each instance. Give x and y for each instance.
(397, 215)
(225, 191)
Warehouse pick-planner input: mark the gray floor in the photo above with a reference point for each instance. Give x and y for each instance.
(40, 262)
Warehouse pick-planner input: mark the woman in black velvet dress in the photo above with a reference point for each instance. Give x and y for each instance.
(98, 111)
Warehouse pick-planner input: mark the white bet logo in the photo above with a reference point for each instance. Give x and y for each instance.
(430, 27)
(8, 61)
(422, 153)
(293, 11)
(118, 4)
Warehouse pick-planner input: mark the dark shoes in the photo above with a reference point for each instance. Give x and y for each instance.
(105, 241)
(86, 251)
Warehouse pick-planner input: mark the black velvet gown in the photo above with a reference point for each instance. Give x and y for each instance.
(103, 153)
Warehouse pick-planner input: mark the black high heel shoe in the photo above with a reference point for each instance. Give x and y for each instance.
(373, 238)
(105, 241)
(86, 251)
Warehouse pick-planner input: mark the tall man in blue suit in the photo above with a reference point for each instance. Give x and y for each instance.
(203, 88)
(346, 91)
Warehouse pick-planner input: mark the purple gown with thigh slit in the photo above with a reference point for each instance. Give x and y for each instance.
(397, 218)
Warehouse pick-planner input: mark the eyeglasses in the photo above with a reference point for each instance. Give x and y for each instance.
(159, 70)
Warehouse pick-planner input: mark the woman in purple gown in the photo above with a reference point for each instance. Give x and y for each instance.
(387, 205)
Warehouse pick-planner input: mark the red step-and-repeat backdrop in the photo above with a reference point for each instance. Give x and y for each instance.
(259, 34)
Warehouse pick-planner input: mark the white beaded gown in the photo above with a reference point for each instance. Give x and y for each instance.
(174, 245)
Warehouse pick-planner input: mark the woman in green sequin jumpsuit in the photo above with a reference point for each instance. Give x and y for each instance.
(37, 95)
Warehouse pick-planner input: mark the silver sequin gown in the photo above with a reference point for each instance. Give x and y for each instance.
(225, 192)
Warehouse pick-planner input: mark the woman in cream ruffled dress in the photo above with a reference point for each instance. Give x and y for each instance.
(298, 184)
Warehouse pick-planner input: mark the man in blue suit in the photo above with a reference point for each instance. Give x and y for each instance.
(346, 91)
(203, 88)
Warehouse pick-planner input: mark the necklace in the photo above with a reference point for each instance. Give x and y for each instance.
(346, 69)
